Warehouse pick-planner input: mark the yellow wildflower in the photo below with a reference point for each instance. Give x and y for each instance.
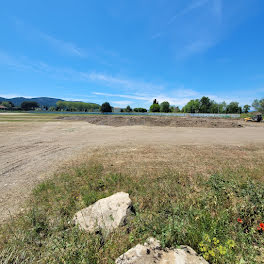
(222, 250)
(231, 243)
(206, 256)
(216, 241)
(211, 252)
(207, 238)
(201, 244)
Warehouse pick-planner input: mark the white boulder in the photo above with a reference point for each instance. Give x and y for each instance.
(106, 214)
(151, 252)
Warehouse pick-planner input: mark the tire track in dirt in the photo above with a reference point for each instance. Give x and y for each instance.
(26, 152)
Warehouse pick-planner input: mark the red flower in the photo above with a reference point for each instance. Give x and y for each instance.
(239, 220)
(261, 225)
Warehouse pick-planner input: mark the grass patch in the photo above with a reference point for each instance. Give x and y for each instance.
(176, 209)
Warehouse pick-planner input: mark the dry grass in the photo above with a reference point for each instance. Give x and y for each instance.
(180, 195)
(187, 160)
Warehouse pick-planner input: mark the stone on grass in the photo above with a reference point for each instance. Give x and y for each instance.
(106, 214)
(151, 252)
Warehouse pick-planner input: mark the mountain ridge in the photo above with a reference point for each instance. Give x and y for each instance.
(42, 101)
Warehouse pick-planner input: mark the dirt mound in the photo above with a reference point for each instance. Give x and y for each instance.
(171, 121)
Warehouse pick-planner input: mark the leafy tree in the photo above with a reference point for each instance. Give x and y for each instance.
(61, 105)
(76, 106)
(233, 108)
(217, 108)
(192, 106)
(246, 108)
(29, 105)
(222, 107)
(165, 107)
(140, 110)
(128, 109)
(7, 104)
(155, 108)
(52, 108)
(205, 105)
(106, 108)
(214, 107)
(259, 105)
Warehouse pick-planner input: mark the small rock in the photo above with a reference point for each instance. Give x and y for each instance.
(151, 252)
(106, 214)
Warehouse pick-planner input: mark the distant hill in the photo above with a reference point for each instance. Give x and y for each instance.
(42, 101)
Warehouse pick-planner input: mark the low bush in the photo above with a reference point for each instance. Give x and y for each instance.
(140, 110)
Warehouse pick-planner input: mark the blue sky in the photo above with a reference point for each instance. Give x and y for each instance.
(129, 52)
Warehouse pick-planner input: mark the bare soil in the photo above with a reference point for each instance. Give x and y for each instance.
(171, 121)
(32, 151)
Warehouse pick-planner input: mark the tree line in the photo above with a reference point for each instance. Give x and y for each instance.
(203, 105)
(206, 105)
(75, 106)
(26, 105)
(60, 106)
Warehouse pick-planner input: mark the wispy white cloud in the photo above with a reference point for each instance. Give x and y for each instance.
(25, 64)
(178, 97)
(183, 92)
(121, 82)
(191, 7)
(98, 53)
(156, 35)
(172, 100)
(8, 96)
(74, 99)
(180, 100)
(199, 27)
(145, 92)
(194, 5)
(114, 82)
(12, 62)
(60, 45)
(106, 78)
(197, 46)
(220, 99)
(121, 103)
(146, 98)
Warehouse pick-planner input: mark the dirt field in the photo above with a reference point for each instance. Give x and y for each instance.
(31, 151)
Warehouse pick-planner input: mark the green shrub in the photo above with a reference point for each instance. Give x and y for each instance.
(106, 108)
(29, 105)
(140, 110)
(165, 107)
(155, 108)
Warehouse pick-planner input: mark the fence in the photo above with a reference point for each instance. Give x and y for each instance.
(143, 114)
